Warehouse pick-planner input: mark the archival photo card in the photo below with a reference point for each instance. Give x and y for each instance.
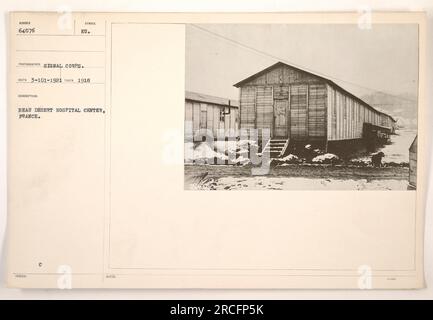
(119, 124)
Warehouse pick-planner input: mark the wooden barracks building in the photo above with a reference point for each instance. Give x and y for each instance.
(300, 107)
(209, 114)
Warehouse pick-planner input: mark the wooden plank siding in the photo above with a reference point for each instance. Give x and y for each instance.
(298, 112)
(317, 98)
(206, 116)
(264, 108)
(413, 150)
(306, 103)
(347, 116)
(306, 109)
(247, 106)
(317, 108)
(282, 75)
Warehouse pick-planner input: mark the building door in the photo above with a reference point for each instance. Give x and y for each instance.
(280, 118)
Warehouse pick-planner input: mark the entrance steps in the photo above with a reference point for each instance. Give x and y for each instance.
(276, 147)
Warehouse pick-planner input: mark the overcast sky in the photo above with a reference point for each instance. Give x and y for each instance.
(384, 58)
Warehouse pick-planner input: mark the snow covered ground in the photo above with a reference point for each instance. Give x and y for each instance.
(219, 151)
(296, 177)
(398, 150)
(291, 183)
(323, 172)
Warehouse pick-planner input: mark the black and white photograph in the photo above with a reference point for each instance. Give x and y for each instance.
(301, 106)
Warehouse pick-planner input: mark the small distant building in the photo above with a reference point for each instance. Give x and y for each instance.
(413, 163)
(301, 107)
(205, 115)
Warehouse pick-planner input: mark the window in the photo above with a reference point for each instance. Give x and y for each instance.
(222, 115)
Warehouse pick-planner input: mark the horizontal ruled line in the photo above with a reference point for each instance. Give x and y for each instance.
(54, 273)
(220, 274)
(41, 66)
(55, 83)
(28, 66)
(60, 35)
(46, 50)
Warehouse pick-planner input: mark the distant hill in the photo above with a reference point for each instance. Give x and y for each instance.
(402, 107)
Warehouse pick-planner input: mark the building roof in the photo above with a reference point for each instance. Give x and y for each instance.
(330, 82)
(200, 97)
